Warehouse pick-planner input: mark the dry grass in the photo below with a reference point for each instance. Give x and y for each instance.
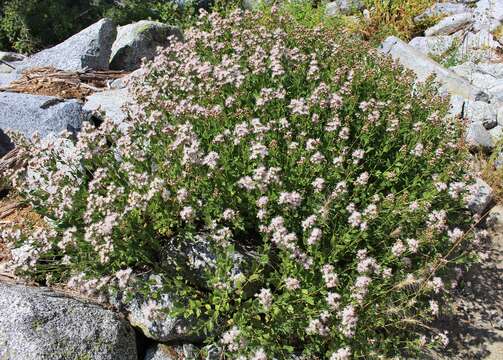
(63, 84)
(14, 213)
(395, 17)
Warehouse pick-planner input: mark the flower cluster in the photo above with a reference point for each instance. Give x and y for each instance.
(302, 149)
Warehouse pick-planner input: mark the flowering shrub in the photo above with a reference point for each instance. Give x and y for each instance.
(306, 151)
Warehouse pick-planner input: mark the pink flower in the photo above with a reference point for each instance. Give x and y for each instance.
(330, 277)
(229, 214)
(292, 199)
(309, 222)
(333, 300)
(265, 298)
(398, 248)
(299, 107)
(315, 236)
(318, 184)
(211, 159)
(292, 283)
(187, 213)
(341, 354)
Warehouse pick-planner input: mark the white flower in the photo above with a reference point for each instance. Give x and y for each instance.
(330, 277)
(182, 194)
(258, 151)
(292, 283)
(123, 277)
(317, 158)
(413, 245)
(262, 202)
(434, 307)
(211, 160)
(341, 354)
(333, 300)
(265, 298)
(398, 248)
(318, 184)
(259, 355)
(315, 236)
(362, 179)
(418, 150)
(455, 234)
(292, 199)
(230, 339)
(309, 222)
(187, 213)
(229, 214)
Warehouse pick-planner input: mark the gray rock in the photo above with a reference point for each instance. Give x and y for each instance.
(485, 81)
(494, 69)
(499, 115)
(344, 7)
(477, 76)
(11, 56)
(498, 162)
(28, 114)
(110, 103)
(495, 90)
(165, 352)
(127, 80)
(89, 49)
(152, 317)
(38, 324)
(481, 196)
(139, 40)
(495, 218)
(496, 133)
(156, 324)
(456, 105)
(196, 258)
(213, 352)
(254, 4)
(6, 144)
(450, 24)
(433, 45)
(488, 15)
(442, 9)
(7, 78)
(424, 67)
(465, 70)
(481, 112)
(477, 47)
(478, 137)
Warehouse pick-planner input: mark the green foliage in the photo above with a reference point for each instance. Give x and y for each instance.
(299, 146)
(29, 25)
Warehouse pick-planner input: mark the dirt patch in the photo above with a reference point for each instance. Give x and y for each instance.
(475, 327)
(63, 84)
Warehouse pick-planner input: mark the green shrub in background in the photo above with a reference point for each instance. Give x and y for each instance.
(303, 147)
(30, 25)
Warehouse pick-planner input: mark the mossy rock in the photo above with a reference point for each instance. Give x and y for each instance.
(139, 40)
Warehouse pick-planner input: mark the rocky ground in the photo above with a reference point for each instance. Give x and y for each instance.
(475, 326)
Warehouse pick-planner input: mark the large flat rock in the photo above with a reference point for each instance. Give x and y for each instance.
(109, 103)
(89, 49)
(38, 324)
(46, 115)
(424, 67)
